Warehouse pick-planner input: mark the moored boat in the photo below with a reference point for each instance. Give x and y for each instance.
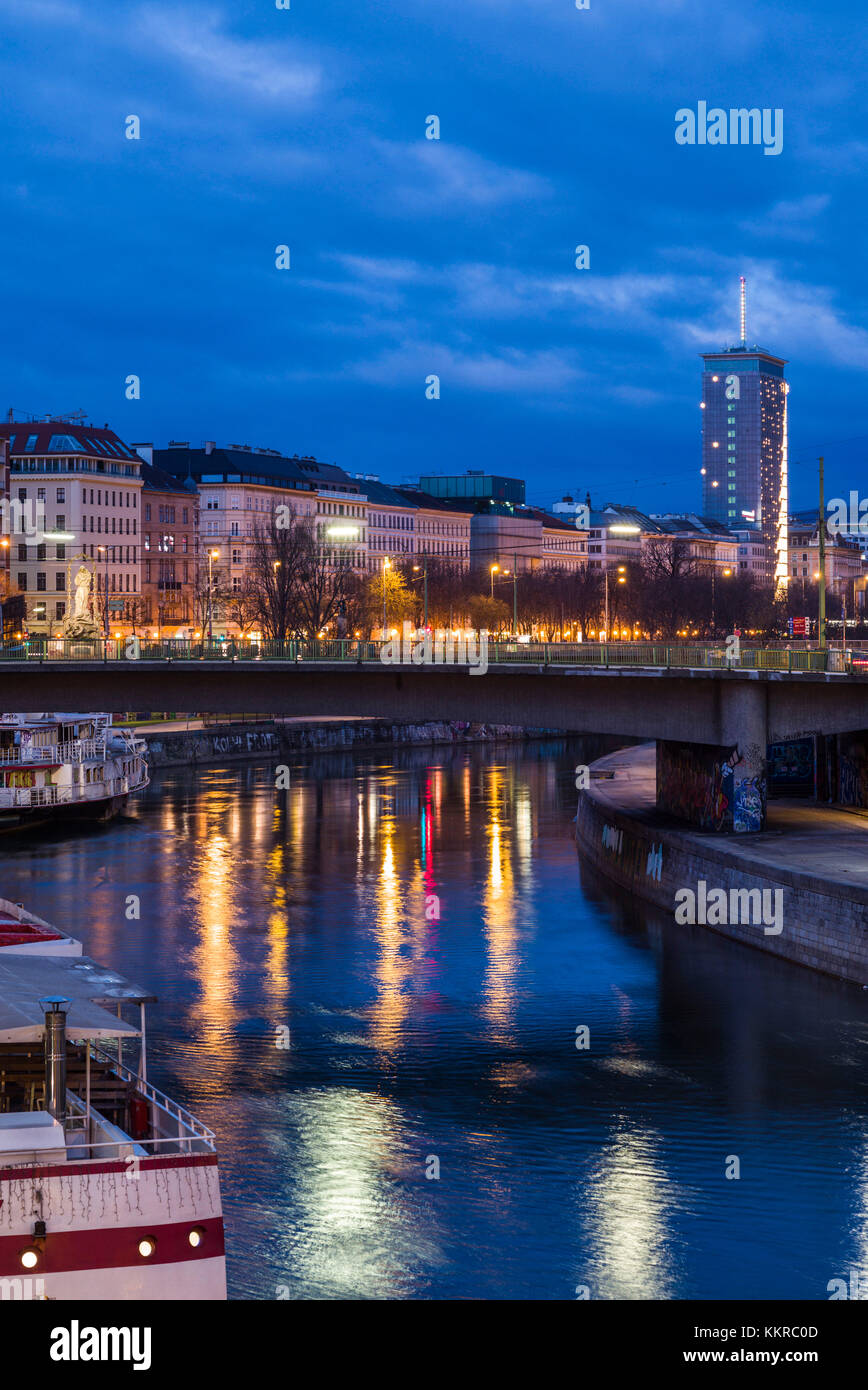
(66, 767)
(108, 1189)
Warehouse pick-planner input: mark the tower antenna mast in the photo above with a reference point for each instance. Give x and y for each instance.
(743, 313)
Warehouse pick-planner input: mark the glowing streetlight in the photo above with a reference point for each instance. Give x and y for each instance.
(212, 556)
(386, 565)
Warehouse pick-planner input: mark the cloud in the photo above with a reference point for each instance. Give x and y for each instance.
(197, 40)
(799, 318)
(791, 218)
(433, 174)
(503, 370)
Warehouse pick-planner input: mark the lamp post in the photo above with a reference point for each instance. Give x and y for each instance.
(424, 568)
(726, 573)
(386, 565)
(621, 580)
(103, 549)
(212, 556)
(493, 571)
(3, 562)
(821, 544)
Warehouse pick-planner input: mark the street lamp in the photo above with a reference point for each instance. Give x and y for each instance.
(212, 556)
(386, 565)
(103, 549)
(424, 568)
(513, 575)
(5, 545)
(622, 579)
(726, 573)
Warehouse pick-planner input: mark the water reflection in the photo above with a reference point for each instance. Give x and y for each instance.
(419, 924)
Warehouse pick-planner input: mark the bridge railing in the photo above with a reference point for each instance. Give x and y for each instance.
(669, 655)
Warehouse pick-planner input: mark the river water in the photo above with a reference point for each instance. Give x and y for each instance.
(370, 986)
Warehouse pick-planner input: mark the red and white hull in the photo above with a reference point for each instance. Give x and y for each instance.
(96, 1215)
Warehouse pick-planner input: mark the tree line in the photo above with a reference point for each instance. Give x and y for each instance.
(297, 586)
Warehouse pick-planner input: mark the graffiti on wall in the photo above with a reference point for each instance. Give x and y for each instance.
(853, 770)
(749, 797)
(791, 767)
(695, 783)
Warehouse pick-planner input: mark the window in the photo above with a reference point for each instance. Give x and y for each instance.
(22, 580)
(40, 581)
(22, 552)
(61, 494)
(60, 582)
(147, 511)
(60, 609)
(40, 494)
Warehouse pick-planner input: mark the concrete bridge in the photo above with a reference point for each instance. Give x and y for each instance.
(713, 720)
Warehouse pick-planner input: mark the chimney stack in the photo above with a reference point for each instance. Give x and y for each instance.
(55, 1007)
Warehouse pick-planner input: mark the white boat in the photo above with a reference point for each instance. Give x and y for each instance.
(108, 1189)
(66, 767)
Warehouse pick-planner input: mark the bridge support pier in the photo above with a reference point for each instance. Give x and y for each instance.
(720, 786)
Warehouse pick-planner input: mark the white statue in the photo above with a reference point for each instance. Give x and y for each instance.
(81, 604)
(80, 622)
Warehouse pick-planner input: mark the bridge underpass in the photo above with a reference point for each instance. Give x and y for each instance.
(712, 727)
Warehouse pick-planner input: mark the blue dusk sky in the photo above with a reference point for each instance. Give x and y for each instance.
(411, 257)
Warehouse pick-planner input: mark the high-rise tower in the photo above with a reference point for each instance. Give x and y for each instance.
(744, 444)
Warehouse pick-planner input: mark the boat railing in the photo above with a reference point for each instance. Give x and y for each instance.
(73, 751)
(168, 1112)
(24, 798)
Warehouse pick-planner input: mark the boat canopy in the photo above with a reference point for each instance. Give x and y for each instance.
(24, 980)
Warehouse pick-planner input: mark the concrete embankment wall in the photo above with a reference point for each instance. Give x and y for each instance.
(235, 742)
(825, 923)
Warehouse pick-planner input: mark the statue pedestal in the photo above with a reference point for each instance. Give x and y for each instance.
(82, 627)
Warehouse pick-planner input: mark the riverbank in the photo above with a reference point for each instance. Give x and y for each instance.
(183, 745)
(816, 856)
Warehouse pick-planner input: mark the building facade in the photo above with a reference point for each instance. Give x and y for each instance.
(82, 483)
(170, 554)
(239, 490)
(744, 449)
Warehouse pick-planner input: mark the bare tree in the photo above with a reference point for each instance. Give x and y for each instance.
(279, 556)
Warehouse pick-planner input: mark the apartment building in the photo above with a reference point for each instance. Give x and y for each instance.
(170, 553)
(844, 563)
(391, 522)
(707, 541)
(83, 483)
(442, 526)
(239, 489)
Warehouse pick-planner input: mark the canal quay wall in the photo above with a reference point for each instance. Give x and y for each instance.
(219, 743)
(823, 917)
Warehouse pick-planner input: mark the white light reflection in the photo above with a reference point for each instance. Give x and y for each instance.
(356, 1232)
(626, 1204)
